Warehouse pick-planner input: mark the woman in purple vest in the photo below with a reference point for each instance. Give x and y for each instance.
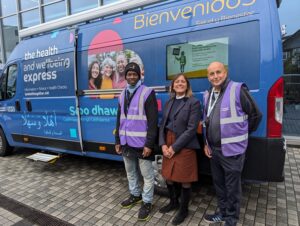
(177, 138)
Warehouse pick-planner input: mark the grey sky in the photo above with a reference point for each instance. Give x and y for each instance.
(289, 14)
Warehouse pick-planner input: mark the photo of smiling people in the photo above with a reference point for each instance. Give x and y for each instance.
(107, 70)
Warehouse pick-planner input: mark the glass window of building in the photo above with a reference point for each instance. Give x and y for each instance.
(30, 18)
(105, 2)
(78, 6)
(48, 1)
(10, 34)
(27, 4)
(54, 11)
(8, 7)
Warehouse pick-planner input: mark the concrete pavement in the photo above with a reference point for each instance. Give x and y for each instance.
(84, 191)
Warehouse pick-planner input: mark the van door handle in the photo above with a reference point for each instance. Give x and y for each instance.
(28, 105)
(17, 105)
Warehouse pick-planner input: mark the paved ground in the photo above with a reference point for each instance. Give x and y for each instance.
(291, 120)
(83, 191)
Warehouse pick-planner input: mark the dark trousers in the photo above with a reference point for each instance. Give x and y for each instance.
(226, 173)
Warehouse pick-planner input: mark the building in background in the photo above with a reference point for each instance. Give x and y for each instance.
(291, 60)
(290, 23)
(291, 53)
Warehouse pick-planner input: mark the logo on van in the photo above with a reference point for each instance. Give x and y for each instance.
(97, 110)
(189, 12)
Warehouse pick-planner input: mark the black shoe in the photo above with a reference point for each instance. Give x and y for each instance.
(173, 205)
(214, 218)
(180, 217)
(131, 201)
(183, 209)
(144, 212)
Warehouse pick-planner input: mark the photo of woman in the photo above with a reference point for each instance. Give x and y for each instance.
(107, 70)
(94, 75)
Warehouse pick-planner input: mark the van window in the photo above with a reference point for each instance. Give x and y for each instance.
(11, 81)
(3, 86)
(8, 82)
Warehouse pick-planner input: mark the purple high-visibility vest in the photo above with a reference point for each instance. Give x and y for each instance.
(233, 121)
(133, 127)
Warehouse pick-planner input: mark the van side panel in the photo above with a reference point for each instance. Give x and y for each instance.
(47, 74)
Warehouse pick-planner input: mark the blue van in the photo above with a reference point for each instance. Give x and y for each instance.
(59, 91)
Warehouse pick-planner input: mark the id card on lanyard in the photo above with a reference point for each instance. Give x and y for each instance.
(211, 103)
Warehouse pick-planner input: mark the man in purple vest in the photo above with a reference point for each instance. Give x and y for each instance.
(136, 133)
(230, 114)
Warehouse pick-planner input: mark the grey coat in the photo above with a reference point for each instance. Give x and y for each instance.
(187, 118)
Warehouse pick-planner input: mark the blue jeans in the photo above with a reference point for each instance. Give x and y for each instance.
(134, 168)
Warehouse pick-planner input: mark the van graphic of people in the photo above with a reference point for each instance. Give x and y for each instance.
(94, 75)
(119, 81)
(107, 70)
(182, 61)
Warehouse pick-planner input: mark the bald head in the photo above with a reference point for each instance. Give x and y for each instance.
(216, 64)
(216, 74)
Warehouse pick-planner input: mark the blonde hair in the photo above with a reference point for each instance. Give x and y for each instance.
(188, 92)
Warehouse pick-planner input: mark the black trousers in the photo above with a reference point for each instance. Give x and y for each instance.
(226, 173)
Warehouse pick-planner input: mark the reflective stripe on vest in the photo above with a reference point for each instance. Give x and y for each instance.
(133, 126)
(233, 122)
(134, 117)
(234, 117)
(133, 134)
(234, 139)
(140, 116)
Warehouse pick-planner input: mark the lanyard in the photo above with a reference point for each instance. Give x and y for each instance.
(210, 104)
